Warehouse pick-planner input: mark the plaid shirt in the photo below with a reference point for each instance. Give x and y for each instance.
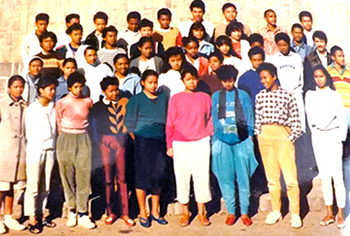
(277, 107)
(270, 46)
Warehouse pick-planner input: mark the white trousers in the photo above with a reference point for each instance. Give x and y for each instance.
(192, 159)
(39, 169)
(328, 153)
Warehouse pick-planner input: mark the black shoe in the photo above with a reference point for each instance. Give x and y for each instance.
(160, 220)
(35, 229)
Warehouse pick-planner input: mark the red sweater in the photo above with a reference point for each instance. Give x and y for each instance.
(189, 117)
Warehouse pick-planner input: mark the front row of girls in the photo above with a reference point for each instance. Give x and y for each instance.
(180, 129)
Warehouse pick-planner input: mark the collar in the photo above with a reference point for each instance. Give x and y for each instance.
(333, 67)
(277, 90)
(293, 44)
(323, 90)
(320, 56)
(106, 102)
(164, 30)
(289, 54)
(11, 102)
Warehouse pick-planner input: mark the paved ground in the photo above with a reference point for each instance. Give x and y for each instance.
(311, 227)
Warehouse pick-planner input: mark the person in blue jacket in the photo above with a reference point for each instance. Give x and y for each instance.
(233, 157)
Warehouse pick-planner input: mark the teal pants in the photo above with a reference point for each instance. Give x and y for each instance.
(232, 163)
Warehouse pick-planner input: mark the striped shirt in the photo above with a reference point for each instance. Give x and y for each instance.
(341, 81)
(270, 46)
(277, 107)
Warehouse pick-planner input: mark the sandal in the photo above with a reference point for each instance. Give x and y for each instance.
(128, 221)
(327, 221)
(184, 220)
(35, 229)
(49, 224)
(203, 220)
(110, 219)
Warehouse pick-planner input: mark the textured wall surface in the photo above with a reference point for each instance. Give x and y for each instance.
(17, 16)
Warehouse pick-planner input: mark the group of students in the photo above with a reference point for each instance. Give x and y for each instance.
(205, 96)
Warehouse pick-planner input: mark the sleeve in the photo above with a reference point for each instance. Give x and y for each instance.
(294, 119)
(28, 122)
(210, 128)
(299, 65)
(93, 120)
(343, 124)
(248, 112)
(258, 115)
(59, 115)
(25, 50)
(179, 39)
(131, 118)
(214, 111)
(169, 128)
(308, 110)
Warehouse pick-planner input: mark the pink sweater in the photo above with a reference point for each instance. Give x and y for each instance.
(72, 114)
(189, 117)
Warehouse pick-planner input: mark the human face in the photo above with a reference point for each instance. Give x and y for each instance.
(256, 60)
(16, 89)
(48, 92)
(68, 69)
(91, 56)
(224, 49)
(133, 24)
(320, 79)
(150, 84)
(307, 23)
(111, 38)
(198, 34)
(339, 58)
(192, 49)
(271, 18)
(41, 26)
(146, 31)
(197, 14)
(175, 62)
(190, 82)
(236, 35)
(76, 37)
(228, 84)
(297, 34)
(35, 67)
(268, 80)
(100, 24)
(320, 45)
(111, 93)
(122, 66)
(73, 21)
(47, 44)
(230, 14)
(214, 63)
(164, 21)
(76, 89)
(146, 50)
(283, 47)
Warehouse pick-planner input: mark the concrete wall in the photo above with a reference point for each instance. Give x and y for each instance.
(17, 16)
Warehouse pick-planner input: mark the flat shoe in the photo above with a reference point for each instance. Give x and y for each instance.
(247, 221)
(184, 220)
(49, 224)
(326, 222)
(110, 219)
(35, 229)
(159, 220)
(231, 219)
(128, 222)
(203, 220)
(145, 222)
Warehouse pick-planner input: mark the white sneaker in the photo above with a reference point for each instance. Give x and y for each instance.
(13, 224)
(296, 221)
(86, 222)
(2, 228)
(72, 219)
(273, 217)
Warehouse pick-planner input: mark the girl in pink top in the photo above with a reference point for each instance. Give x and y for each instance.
(188, 130)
